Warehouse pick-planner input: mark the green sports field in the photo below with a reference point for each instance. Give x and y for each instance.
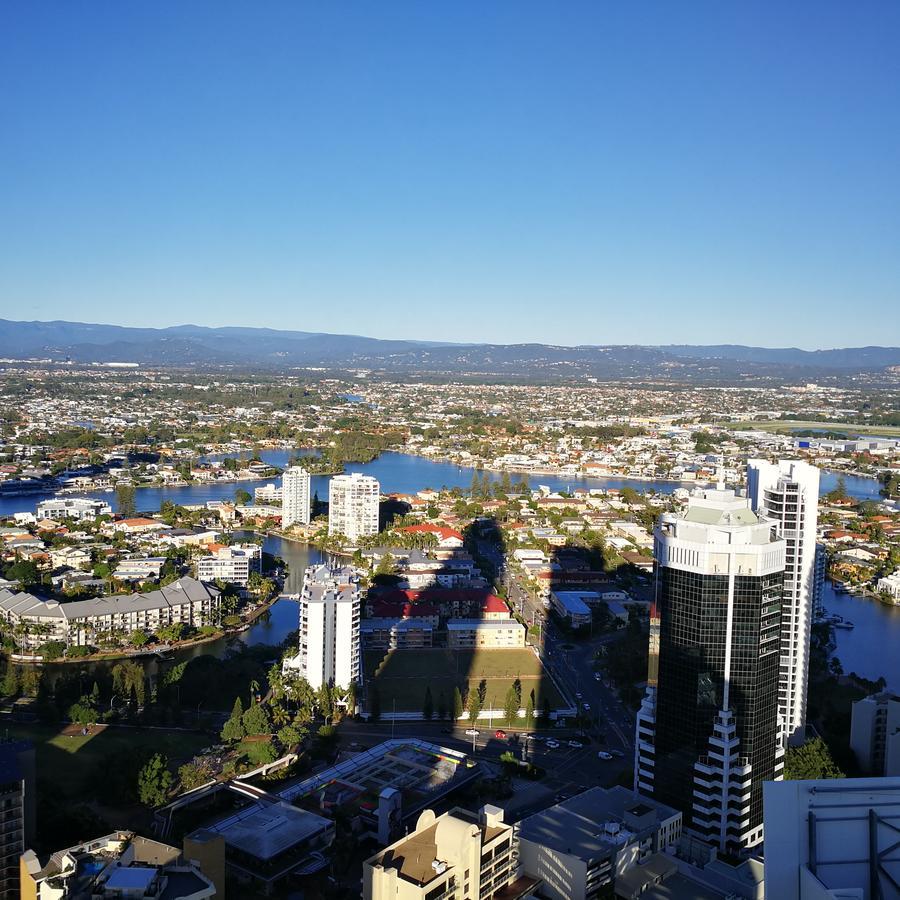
(401, 676)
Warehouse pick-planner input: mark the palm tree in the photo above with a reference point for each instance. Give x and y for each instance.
(254, 691)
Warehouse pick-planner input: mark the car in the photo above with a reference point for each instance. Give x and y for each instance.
(446, 731)
(618, 754)
(472, 732)
(598, 676)
(534, 737)
(586, 706)
(578, 695)
(576, 744)
(500, 734)
(602, 754)
(553, 745)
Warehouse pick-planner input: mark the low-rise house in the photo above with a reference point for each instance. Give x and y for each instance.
(471, 633)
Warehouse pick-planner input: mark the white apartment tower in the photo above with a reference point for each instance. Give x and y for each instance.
(787, 493)
(296, 502)
(329, 627)
(353, 505)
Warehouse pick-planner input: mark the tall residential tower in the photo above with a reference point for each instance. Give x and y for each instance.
(707, 733)
(353, 505)
(329, 627)
(787, 493)
(296, 502)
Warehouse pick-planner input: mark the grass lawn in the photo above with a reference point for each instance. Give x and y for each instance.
(401, 676)
(69, 761)
(788, 425)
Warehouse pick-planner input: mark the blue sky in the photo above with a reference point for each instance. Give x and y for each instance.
(508, 171)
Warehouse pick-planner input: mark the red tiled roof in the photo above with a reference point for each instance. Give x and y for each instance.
(439, 530)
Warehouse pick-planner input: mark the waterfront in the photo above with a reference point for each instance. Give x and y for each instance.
(400, 473)
(870, 648)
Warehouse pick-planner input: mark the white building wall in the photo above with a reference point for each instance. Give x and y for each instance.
(296, 500)
(353, 505)
(821, 837)
(788, 493)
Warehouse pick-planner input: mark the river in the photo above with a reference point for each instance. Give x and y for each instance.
(398, 473)
(869, 649)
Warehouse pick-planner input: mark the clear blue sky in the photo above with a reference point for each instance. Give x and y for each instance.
(649, 172)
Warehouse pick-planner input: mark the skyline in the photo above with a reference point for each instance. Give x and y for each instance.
(411, 173)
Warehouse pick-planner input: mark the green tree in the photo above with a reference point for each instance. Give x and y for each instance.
(256, 721)
(25, 571)
(442, 706)
(511, 706)
(233, 729)
(457, 703)
(428, 704)
(811, 760)
(155, 781)
(289, 736)
(529, 713)
(138, 639)
(242, 497)
(474, 706)
(125, 504)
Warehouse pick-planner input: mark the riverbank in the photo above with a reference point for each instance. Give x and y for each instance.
(157, 651)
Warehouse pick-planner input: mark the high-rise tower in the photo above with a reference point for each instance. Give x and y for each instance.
(296, 503)
(353, 505)
(707, 733)
(787, 493)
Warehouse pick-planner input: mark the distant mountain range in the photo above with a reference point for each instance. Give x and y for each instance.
(193, 345)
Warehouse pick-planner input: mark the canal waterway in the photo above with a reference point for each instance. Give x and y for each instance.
(871, 648)
(398, 473)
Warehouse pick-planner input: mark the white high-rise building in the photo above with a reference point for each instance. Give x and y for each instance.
(787, 492)
(296, 502)
(353, 505)
(329, 627)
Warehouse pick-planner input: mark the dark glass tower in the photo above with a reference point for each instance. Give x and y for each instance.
(708, 732)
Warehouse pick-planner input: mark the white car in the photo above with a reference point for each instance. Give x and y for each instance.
(576, 744)
(597, 676)
(578, 695)
(587, 706)
(472, 732)
(602, 754)
(553, 745)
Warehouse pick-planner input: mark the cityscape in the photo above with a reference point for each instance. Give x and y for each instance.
(449, 452)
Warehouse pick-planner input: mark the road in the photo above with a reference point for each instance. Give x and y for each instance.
(571, 664)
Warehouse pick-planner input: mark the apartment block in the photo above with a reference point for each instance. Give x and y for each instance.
(329, 627)
(353, 505)
(296, 498)
(459, 855)
(787, 494)
(875, 733)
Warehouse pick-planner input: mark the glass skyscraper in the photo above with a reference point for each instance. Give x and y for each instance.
(708, 732)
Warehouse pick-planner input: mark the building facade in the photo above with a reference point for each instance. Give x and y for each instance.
(449, 857)
(17, 810)
(233, 564)
(787, 493)
(78, 622)
(875, 733)
(831, 839)
(707, 732)
(582, 845)
(353, 505)
(329, 627)
(296, 499)
(80, 508)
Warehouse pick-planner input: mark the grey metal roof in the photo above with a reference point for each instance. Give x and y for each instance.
(185, 590)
